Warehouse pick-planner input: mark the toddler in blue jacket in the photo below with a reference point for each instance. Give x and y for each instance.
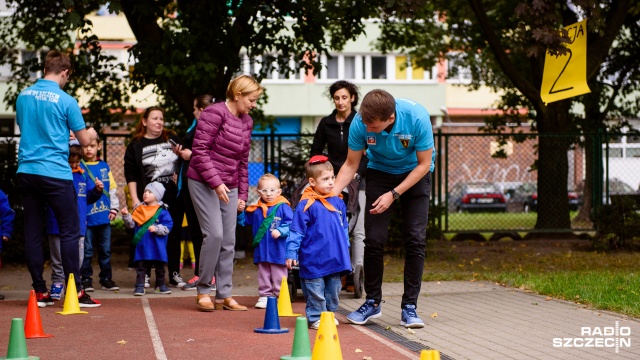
(269, 219)
(152, 223)
(319, 241)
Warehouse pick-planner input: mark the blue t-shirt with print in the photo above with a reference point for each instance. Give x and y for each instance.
(395, 152)
(45, 114)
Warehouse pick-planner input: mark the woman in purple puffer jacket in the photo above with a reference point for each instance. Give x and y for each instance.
(219, 185)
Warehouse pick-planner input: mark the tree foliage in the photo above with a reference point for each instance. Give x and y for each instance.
(184, 47)
(503, 45)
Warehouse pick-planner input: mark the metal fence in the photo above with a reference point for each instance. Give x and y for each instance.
(480, 184)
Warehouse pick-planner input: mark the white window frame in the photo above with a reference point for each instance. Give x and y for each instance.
(363, 70)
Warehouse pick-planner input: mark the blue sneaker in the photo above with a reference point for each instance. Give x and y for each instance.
(162, 289)
(367, 311)
(57, 289)
(409, 318)
(139, 291)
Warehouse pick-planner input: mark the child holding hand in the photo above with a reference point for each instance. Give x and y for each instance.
(319, 241)
(269, 219)
(152, 223)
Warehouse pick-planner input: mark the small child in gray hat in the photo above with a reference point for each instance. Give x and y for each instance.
(151, 223)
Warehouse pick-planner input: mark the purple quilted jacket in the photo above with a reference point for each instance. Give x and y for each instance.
(220, 151)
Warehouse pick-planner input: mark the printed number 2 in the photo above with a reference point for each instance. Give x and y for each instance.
(552, 91)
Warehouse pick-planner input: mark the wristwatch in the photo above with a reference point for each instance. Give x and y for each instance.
(395, 194)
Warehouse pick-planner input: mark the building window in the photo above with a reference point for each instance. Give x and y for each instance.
(378, 67)
(7, 127)
(332, 67)
(349, 67)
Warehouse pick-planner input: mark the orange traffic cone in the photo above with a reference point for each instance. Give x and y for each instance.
(429, 355)
(284, 300)
(33, 325)
(327, 345)
(71, 303)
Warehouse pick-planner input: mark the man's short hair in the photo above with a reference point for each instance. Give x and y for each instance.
(377, 105)
(315, 169)
(57, 62)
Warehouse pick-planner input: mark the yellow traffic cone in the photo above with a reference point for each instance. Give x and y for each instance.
(71, 304)
(327, 345)
(430, 355)
(284, 300)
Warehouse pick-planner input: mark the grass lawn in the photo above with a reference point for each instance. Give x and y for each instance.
(564, 269)
(493, 221)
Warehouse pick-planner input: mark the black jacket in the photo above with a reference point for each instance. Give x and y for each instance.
(335, 136)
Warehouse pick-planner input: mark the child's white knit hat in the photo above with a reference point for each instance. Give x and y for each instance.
(157, 189)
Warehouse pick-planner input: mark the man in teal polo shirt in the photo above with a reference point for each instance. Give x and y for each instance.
(398, 139)
(45, 114)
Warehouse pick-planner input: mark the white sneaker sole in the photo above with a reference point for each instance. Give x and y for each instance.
(365, 321)
(412, 326)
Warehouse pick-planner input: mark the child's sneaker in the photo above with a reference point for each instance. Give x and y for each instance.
(44, 299)
(162, 289)
(316, 324)
(87, 285)
(191, 284)
(56, 291)
(147, 279)
(85, 300)
(262, 303)
(139, 291)
(176, 280)
(109, 284)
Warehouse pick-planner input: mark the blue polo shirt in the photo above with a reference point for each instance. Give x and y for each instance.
(395, 152)
(45, 114)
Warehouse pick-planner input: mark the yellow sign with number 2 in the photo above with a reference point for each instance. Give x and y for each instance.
(565, 76)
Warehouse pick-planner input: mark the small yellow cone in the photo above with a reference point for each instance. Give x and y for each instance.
(284, 300)
(430, 355)
(71, 304)
(327, 345)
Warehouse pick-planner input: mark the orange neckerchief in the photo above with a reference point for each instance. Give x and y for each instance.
(312, 196)
(143, 213)
(265, 206)
(78, 169)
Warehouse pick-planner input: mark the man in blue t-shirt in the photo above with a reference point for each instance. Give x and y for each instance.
(45, 115)
(398, 139)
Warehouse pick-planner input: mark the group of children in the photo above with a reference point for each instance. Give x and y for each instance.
(315, 237)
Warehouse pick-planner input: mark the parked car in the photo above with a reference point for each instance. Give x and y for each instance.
(477, 196)
(525, 198)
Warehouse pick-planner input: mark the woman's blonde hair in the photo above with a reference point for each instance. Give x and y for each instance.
(243, 84)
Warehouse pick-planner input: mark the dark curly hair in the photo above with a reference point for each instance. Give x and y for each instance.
(343, 84)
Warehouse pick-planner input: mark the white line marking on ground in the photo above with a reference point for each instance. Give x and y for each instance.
(153, 331)
(382, 340)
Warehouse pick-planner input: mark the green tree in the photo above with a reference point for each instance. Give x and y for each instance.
(503, 43)
(184, 47)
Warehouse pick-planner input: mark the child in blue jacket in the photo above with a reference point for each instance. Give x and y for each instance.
(319, 241)
(99, 219)
(7, 215)
(269, 220)
(88, 193)
(152, 223)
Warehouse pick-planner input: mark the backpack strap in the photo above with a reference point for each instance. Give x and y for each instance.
(93, 178)
(145, 227)
(264, 226)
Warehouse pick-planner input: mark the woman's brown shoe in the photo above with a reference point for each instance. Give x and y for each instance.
(230, 304)
(206, 304)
